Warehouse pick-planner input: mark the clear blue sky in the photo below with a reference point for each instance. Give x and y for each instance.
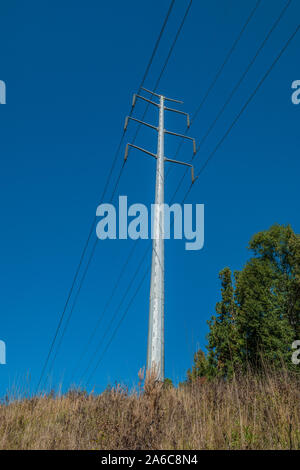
(70, 68)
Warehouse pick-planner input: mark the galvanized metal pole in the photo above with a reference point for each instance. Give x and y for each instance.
(155, 353)
(156, 342)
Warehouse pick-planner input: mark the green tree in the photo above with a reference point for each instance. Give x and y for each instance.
(266, 296)
(224, 338)
(258, 316)
(200, 368)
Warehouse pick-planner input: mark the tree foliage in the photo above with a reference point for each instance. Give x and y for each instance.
(258, 316)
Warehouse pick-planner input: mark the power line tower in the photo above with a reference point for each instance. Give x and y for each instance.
(155, 350)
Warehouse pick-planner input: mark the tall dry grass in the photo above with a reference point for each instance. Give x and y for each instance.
(249, 412)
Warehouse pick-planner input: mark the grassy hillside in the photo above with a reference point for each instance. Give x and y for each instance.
(249, 412)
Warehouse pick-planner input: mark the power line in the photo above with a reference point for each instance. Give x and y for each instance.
(116, 184)
(218, 74)
(226, 60)
(236, 87)
(118, 326)
(116, 311)
(155, 86)
(102, 197)
(211, 155)
(119, 176)
(72, 309)
(157, 44)
(220, 70)
(101, 316)
(164, 66)
(201, 170)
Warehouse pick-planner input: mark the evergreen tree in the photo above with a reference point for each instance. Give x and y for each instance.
(267, 298)
(258, 316)
(200, 367)
(224, 341)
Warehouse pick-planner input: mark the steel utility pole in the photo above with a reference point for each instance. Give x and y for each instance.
(155, 350)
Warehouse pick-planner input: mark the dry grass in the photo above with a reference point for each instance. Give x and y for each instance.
(250, 412)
